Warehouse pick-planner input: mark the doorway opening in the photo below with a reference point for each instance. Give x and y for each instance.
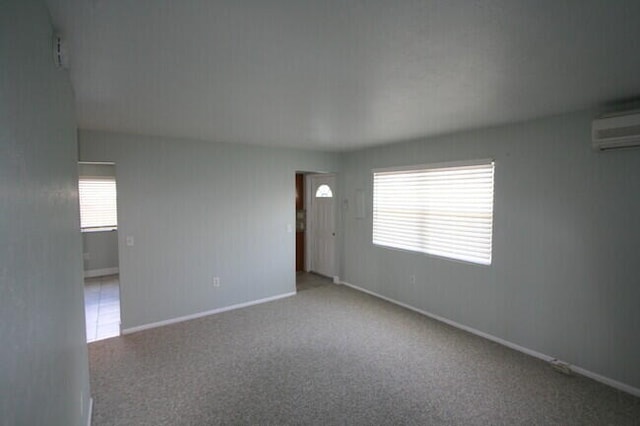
(99, 226)
(315, 229)
(300, 223)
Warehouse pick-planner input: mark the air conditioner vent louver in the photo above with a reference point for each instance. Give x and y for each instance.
(616, 131)
(619, 132)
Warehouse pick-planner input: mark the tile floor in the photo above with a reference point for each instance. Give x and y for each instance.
(102, 307)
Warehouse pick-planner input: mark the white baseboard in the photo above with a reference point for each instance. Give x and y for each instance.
(101, 272)
(579, 370)
(90, 414)
(607, 381)
(205, 313)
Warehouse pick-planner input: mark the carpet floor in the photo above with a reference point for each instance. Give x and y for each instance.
(334, 356)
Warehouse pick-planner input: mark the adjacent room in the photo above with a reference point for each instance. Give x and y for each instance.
(98, 199)
(319, 212)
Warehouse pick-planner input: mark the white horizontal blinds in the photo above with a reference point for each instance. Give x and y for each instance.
(98, 206)
(445, 211)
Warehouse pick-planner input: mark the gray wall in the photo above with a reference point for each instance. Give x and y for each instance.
(198, 210)
(100, 249)
(44, 374)
(565, 278)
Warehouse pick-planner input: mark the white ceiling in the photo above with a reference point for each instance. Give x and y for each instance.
(342, 74)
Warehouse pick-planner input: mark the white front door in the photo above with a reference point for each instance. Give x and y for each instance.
(323, 224)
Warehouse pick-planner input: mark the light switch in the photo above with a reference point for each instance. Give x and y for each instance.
(289, 228)
(130, 241)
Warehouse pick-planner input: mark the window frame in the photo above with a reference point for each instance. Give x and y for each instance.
(435, 166)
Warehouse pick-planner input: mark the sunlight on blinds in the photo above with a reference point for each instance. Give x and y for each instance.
(442, 210)
(98, 207)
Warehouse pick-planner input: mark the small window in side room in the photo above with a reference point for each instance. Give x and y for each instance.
(98, 208)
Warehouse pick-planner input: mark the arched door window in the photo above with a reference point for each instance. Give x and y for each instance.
(324, 191)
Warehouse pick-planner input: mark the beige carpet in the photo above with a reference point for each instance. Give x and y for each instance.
(333, 356)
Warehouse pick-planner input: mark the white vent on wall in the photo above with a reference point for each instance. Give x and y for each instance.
(612, 131)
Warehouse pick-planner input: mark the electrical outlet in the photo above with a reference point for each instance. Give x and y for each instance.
(216, 281)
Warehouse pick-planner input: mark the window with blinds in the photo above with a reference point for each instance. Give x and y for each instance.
(443, 210)
(98, 208)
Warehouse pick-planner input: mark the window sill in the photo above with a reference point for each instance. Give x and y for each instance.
(103, 229)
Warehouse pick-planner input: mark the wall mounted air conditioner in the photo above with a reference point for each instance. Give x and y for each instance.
(619, 130)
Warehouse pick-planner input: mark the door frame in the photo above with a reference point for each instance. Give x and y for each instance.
(309, 228)
(110, 271)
